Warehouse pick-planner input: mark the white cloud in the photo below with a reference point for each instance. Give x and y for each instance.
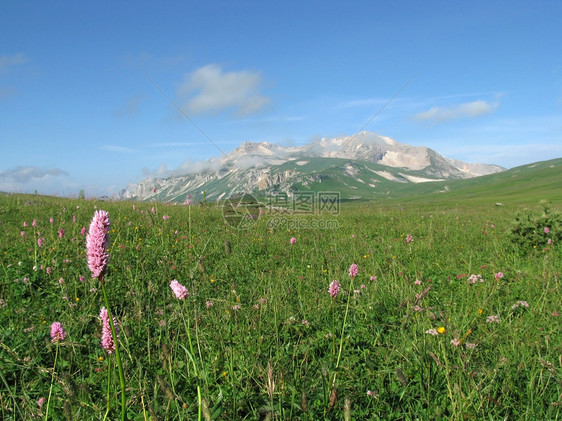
(25, 174)
(15, 60)
(366, 102)
(186, 168)
(466, 110)
(118, 149)
(216, 91)
(131, 106)
(28, 179)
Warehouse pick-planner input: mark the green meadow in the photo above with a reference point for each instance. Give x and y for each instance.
(455, 312)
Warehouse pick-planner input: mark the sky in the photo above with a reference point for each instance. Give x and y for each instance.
(97, 95)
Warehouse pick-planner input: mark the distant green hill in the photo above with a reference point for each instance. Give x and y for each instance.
(527, 184)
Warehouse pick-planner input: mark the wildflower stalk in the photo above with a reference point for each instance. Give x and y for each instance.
(108, 398)
(342, 333)
(192, 358)
(333, 329)
(117, 354)
(97, 244)
(52, 381)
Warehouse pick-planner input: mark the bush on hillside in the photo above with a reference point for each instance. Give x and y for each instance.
(536, 229)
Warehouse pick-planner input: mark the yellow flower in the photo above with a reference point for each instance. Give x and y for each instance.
(100, 358)
(224, 373)
(77, 299)
(480, 311)
(441, 330)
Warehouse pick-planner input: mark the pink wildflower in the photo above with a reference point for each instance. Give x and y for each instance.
(455, 342)
(549, 241)
(179, 290)
(153, 210)
(417, 282)
(97, 242)
(334, 289)
(470, 345)
(40, 242)
(520, 303)
(493, 319)
(209, 304)
(432, 332)
(83, 231)
(353, 270)
(293, 240)
(546, 230)
(409, 238)
(51, 220)
(34, 223)
(498, 275)
(57, 332)
(106, 337)
(61, 233)
(22, 233)
(41, 402)
(472, 279)
(373, 278)
(24, 224)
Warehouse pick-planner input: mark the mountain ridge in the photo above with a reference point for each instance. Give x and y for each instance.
(353, 162)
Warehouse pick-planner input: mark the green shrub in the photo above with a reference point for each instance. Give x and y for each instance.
(536, 229)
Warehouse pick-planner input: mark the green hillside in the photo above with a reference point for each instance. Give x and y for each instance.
(527, 184)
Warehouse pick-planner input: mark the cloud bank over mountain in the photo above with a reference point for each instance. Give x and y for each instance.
(210, 90)
(465, 110)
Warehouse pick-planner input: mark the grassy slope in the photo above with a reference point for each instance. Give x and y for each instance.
(525, 185)
(513, 371)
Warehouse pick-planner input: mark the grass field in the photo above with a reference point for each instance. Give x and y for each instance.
(448, 317)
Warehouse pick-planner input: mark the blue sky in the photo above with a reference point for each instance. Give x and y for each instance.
(86, 90)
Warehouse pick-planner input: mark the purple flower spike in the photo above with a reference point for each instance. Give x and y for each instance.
(334, 289)
(57, 332)
(106, 337)
(97, 242)
(353, 270)
(179, 290)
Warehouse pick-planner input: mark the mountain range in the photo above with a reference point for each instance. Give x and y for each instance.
(362, 166)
